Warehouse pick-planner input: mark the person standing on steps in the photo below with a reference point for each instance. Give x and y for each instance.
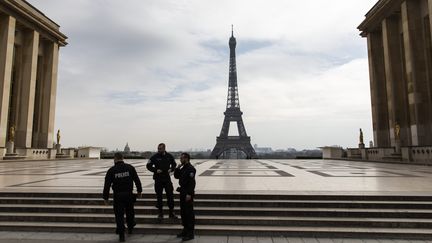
(122, 176)
(185, 173)
(162, 164)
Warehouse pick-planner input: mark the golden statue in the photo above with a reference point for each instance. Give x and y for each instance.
(12, 133)
(58, 136)
(397, 131)
(361, 136)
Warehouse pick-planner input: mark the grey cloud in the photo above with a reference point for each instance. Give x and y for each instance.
(145, 71)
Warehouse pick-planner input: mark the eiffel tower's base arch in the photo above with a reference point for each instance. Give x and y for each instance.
(233, 142)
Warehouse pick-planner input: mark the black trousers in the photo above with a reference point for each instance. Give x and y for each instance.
(187, 215)
(124, 203)
(160, 185)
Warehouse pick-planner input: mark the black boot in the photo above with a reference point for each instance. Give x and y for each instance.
(130, 229)
(188, 237)
(181, 234)
(160, 215)
(121, 237)
(172, 215)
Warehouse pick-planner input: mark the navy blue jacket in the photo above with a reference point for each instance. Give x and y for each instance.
(186, 176)
(161, 161)
(121, 176)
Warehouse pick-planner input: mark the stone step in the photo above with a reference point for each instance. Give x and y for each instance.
(340, 197)
(13, 157)
(393, 158)
(225, 220)
(336, 216)
(334, 232)
(233, 203)
(233, 211)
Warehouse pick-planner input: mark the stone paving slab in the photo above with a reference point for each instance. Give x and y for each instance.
(39, 237)
(231, 176)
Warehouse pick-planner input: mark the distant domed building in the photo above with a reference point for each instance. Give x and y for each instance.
(127, 149)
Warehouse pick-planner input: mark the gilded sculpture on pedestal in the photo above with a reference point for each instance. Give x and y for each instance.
(58, 136)
(12, 133)
(397, 131)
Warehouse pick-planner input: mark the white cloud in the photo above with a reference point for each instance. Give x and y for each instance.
(149, 71)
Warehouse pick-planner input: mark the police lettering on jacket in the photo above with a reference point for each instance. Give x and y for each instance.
(121, 174)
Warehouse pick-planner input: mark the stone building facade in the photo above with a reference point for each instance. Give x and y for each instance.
(398, 34)
(29, 53)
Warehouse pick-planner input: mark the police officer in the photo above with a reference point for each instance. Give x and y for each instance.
(185, 172)
(122, 176)
(162, 164)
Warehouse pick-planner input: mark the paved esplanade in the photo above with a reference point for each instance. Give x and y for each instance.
(41, 237)
(231, 176)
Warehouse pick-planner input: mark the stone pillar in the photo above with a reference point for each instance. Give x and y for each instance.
(7, 40)
(416, 73)
(430, 55)
(378, 90)
(430, 14)
(49, 89)
(28, 86)
(397, 97)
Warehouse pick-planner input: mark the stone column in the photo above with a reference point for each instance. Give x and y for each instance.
(416, 73)
(26, 106)
(378, 90)
(49, 89)
(395, 82)
(7, 40)
(430, 14)
(430, 56)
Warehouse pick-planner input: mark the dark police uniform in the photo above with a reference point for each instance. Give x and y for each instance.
(186, 176)
(122, 176)
(162, 161)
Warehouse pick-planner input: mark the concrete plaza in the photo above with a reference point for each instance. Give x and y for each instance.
(225, 177)
(325, 177)
(37, 237)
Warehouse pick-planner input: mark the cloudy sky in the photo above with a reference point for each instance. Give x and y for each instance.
(150, 71)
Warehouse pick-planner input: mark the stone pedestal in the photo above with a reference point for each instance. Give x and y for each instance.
(361, 146)
(398, 146)
(58, 149)
(397, 155)
(364, 154)
(10, 148)
(59, 153)
(10, 152)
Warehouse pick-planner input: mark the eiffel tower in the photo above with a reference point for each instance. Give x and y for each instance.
(225, 143)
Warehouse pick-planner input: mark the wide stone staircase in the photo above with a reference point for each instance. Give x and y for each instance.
(225, 214)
